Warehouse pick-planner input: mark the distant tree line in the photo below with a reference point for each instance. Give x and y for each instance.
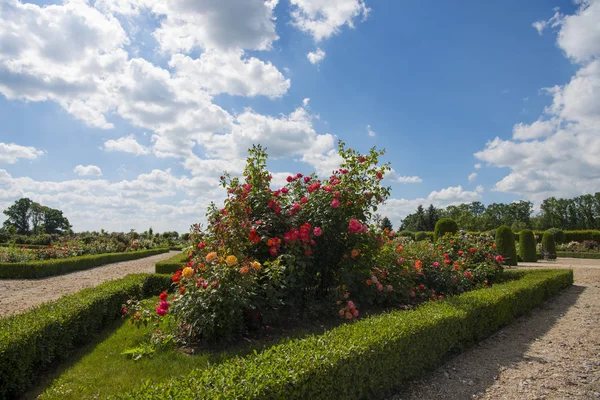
(581, 212)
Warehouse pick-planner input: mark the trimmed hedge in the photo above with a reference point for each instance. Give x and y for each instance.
(572, 254)
(559, 235)
(32, 341)
(443, 226)
(505, 240)
(170, 265)
(368, 358)
(41, 269)
(580, 236)
(549, 245)
(407, 234)
(527, 247)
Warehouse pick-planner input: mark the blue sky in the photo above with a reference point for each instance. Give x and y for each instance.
(123, 113)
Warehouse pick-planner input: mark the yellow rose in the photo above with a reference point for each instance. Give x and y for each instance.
(231, 260)
(256, 265)
(211, 256)
(187, 272)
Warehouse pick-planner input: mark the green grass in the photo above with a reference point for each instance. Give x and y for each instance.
(101, 369)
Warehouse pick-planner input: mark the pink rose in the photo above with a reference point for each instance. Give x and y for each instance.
(317, 231)
(335, 203)
(160, 311)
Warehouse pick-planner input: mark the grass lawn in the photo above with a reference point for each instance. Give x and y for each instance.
(100, 369)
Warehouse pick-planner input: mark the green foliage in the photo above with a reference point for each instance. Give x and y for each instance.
(369, 358)
(443, 226)
(423, 236)
(559, 235)
(407, 234)
(505, 240)
(155, 284)
(527, 246)
(170, 265)
(33, 340)
(548, 246)
(41, 269)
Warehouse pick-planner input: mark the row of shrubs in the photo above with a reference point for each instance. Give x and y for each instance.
(32, 341)
(560, 236)
(371, 357)
(41, 269)
(171, 265)
(20, 246)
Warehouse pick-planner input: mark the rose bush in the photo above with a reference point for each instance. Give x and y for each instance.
(312, 241)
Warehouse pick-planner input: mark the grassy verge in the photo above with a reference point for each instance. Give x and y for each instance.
(358, 360)
(170, 265)
(41, 269)
(33, 341)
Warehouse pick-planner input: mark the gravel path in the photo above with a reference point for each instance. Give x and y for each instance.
(21, 294)
(552, 353)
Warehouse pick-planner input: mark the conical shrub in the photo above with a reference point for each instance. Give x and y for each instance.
(548, 245)
(527, 249)
(505, 241)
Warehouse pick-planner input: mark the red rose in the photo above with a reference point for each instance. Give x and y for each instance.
(163, 296)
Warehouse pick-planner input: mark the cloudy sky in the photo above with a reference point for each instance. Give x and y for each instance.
(123, 113)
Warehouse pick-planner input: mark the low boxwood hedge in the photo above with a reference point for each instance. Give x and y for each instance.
(170, 265)
(59, 266)
(573, 254)
(371, 357)
(30, 342)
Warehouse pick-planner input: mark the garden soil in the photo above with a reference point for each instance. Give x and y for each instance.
(552, 353)
(17, 295)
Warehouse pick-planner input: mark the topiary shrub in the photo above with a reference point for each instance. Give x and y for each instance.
(527, 247)
(548, 246)
(559, 235)
(421, 236)
(444, 226)
(505, 240)
(407, 234)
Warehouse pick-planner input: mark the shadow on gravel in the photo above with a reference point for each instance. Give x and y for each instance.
(476, 369)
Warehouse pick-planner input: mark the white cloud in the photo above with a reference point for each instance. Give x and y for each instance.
(209, 24)
(562, 160)
(88, 170)
(228, 72)
(322, 19)
(305, 102)
(90, 203)
(579, 35)
(398, 208)
(393, 176)
(370, 131)
(477, 166)
(10, 153)
(553, 22)
(316, 56)
(536, 130)
(126, 144)
(472, 176)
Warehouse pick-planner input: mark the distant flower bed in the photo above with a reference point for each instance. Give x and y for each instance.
(72, 248)
(586, 246)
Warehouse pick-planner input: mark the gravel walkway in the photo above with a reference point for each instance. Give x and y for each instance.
(21, 294)
(553, 353)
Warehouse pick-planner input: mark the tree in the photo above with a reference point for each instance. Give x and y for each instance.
(386, 224)
(431, 217)
(18, 215)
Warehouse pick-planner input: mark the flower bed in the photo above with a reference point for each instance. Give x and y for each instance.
(33, 340)
(371, 357)
(40, 269)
